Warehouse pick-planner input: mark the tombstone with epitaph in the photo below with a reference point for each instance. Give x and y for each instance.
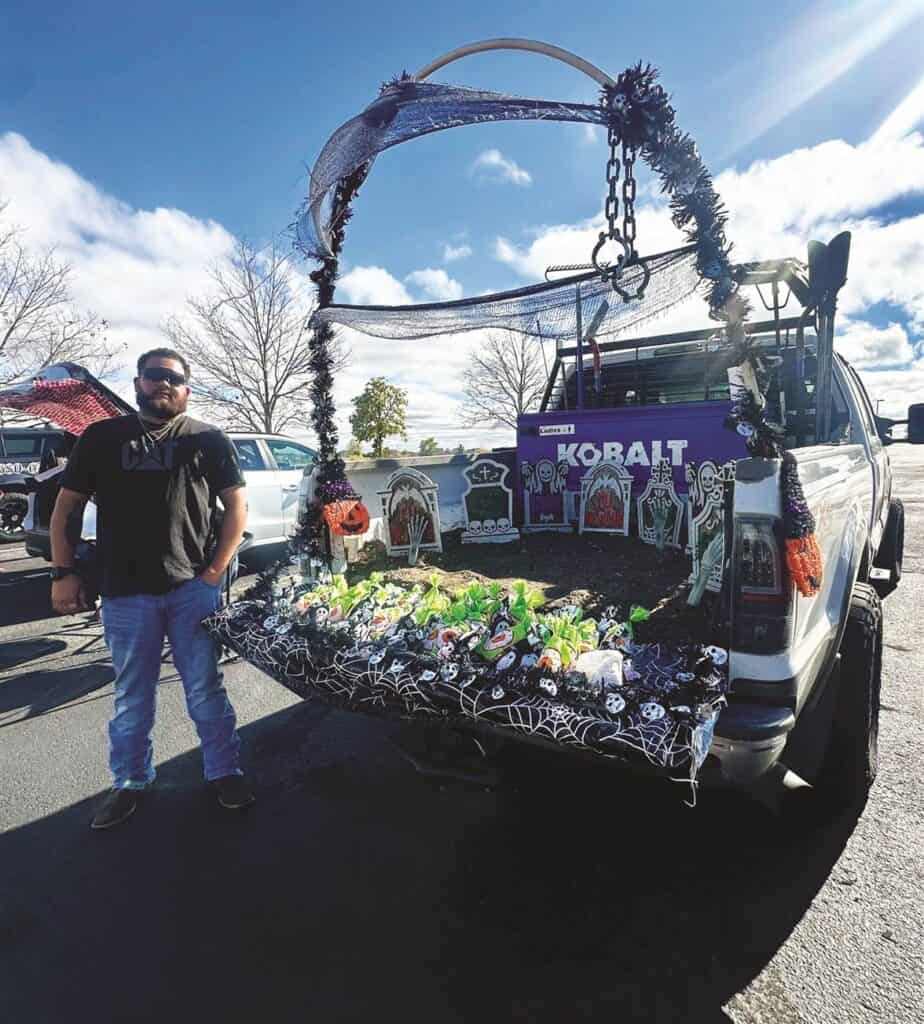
(488, 504)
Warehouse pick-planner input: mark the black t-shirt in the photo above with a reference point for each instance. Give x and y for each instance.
(155, 499)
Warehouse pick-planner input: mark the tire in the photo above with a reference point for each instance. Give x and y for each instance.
(13, 509)
(892, 549)
(852, 759)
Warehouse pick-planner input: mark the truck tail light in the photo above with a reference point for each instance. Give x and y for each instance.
(762, 614)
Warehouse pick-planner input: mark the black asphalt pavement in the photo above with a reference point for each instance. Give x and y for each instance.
(357, 889)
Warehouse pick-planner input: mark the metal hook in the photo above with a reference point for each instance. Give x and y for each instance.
(640, 292)
(607, 270)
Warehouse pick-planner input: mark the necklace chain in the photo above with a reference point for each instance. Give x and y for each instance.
(158, 434)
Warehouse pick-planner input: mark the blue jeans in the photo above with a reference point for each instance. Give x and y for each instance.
(134, 628)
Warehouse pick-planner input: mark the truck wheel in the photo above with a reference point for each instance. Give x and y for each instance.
(852, 758)
(892, 549)
(13, 509)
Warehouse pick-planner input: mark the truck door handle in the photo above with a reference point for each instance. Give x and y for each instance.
(290, 487)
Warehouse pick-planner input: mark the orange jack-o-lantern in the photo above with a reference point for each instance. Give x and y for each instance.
(349, 518)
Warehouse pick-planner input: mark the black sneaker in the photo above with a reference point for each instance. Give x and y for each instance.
(116, 806)
(233, 792)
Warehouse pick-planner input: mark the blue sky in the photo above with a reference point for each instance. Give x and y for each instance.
(160, 131)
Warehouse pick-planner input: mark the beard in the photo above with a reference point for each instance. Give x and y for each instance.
(161, 406)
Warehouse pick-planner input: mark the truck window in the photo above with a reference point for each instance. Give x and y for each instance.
(14, 447)
(248, 454)
(289, 455)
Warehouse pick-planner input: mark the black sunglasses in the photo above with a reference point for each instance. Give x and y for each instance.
(157, 374)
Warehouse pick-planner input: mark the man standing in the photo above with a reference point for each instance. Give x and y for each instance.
(155, 477)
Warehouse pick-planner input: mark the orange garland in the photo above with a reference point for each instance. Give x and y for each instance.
(803, 559)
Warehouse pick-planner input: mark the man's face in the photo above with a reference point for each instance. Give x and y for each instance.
(161, 389)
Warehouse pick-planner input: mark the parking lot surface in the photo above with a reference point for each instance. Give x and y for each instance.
(358, 889)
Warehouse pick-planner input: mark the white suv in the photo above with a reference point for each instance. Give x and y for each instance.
(273, 467)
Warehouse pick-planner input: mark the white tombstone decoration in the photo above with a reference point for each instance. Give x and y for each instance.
(606, 492)
(410, 513)
(708, 483)
(658, 507)
(488, 503)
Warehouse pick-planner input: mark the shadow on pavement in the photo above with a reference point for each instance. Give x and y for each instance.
(37, 693)
(357, 890)
(25, 595)
(18, 652)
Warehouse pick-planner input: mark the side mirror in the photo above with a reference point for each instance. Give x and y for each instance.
(916, 423)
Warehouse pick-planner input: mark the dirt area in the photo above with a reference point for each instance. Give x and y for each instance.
(590, 571)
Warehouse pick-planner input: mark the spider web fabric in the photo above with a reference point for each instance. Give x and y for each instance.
(547, 310)
(406, 110)
(369, 677)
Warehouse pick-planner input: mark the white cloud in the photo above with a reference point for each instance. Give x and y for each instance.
(451, 253)
(132, 267)
(492, 165)
(435, 284)
(865, 345)
(372, 286)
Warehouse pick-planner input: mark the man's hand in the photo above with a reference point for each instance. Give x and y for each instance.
(68, 596)
(212, 576)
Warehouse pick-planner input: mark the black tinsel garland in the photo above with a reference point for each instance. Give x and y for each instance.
(309, 536)
(640, 110)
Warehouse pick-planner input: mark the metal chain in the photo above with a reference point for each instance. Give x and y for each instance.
(628, 197)
(611, 209)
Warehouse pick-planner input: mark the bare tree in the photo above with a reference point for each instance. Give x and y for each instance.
(506, 378)
(247, 342)
(38, 322)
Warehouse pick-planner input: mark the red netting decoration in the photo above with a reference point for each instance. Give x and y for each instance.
(72, 404)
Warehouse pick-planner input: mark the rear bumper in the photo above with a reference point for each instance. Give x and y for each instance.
(749, 739)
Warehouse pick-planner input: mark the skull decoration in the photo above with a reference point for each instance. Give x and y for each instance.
(474, 527)
(651, 711)
(427, 676)
(498, 693)
(718, 654)
(548, 686)
(506, 661)
(614, 704)
(449, 672)
(376, 657)
(271, 622)
(490, 526)
(503, 524)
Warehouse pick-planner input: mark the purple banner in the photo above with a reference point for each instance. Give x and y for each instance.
(634, 436)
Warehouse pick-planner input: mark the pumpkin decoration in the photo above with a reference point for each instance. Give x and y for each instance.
(348, 518)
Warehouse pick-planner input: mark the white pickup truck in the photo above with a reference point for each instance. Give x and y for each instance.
(804, 671)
